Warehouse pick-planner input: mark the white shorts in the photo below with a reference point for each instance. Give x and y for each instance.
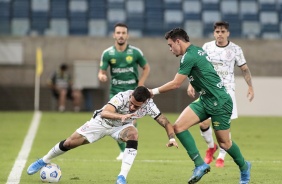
(94, 130)
(234, 111)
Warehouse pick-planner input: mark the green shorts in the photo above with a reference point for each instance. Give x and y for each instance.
(220, 115)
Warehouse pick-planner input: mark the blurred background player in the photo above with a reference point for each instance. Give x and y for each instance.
(62, 88)
(224, 55)
(123, 60)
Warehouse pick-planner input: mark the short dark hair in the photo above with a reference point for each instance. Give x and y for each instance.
(177, 33)
(120, 25)
(221, 24)
(141, 94)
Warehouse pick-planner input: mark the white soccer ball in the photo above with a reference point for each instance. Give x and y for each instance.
(51, 173)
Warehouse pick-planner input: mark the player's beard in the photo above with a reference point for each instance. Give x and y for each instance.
(121, 43)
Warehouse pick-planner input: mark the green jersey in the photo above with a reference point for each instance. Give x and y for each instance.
(202, 76)
(123, 67)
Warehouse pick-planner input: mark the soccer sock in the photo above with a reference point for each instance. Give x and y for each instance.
(207, 135)
(129, 155)
(121, 146)
(237, 156)
(57, 150)
(222, 152)
(188, 142)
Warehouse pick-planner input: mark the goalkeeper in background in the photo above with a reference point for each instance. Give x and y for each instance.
(123, 60)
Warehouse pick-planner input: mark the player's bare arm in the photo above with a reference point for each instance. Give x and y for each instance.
(248, 78)
(109, 112)
(144, 75)
(163, 121)
(102, 75)
(174, 84)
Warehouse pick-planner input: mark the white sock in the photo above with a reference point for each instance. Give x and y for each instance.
(222, 152)
(54, 152)
(207, 135)
(127, 161)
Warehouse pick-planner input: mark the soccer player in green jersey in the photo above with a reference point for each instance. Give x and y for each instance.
(214, 102)
(123, 60)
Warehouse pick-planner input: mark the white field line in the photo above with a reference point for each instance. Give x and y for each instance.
(163, 161)
(16, 172)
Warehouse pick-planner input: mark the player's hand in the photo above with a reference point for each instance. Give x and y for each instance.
(250, 94)
(172, 142)
(126, 116)
(103, 78)
(191, 91)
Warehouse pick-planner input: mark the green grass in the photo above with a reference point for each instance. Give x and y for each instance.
(259, 139)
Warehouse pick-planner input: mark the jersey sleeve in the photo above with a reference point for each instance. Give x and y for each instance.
(240, 58)
(140, 58)
(186, 64)
(117, 101)
(104, 61)
(152, 109)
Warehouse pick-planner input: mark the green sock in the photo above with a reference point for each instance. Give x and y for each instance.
(235, 153)
(121, 146)
(188, 142)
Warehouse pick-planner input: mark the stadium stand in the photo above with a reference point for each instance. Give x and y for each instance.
(144, 17)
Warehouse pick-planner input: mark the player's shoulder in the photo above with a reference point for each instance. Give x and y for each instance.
(108, 50)
(135, 49)
(232, 44)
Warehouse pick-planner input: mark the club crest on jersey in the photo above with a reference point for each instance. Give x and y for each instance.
(113, 61)
(129, 59)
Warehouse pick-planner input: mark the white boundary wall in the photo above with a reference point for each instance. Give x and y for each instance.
(268, 97)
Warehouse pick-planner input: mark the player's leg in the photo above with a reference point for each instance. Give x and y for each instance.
(60, 148)
(222, 153)
(206, 133)
(128, 134)
(62, 99)
(187, 119)
(76, 98)
(222, 131)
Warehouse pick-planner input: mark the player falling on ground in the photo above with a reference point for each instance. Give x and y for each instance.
(115, 119)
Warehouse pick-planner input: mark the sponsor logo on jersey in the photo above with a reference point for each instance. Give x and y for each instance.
(190, 78)
(119, 82)
(123, 70)
(129, 59)
(129, 51)
(113, 61)
(201, 53)
(216, 124)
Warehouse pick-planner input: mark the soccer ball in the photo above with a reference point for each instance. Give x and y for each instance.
(51, 173)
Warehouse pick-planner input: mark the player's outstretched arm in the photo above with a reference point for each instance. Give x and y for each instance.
(163, 121)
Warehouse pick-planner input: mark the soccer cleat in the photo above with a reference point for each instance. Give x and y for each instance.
(35, 166)
(209, 154)
(199, 173)
(120, 156)
(219, 162)
(121, 180)
(246, 175)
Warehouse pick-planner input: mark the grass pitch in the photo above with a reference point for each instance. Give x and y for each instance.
(259, 139)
